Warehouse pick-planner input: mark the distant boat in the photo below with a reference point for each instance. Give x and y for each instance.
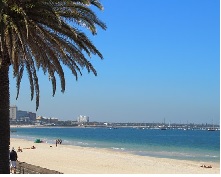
(163, 128)
(141, 127)
(212, 128)
(112, 127)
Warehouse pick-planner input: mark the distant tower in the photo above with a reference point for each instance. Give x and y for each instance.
(83, 119)
(13, 113)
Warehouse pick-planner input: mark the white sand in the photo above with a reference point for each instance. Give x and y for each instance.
(83, 160)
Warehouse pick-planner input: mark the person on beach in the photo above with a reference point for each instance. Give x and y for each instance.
(33, 147)
(19, 149)
(60, 141)
(13, 158)
(204, 166)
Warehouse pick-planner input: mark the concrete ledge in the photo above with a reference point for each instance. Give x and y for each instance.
(25, 168)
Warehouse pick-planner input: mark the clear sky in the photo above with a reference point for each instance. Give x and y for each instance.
(161, 60)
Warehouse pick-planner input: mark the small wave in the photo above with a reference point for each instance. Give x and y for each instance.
(116, 148)
(82, 143)
(214, 156)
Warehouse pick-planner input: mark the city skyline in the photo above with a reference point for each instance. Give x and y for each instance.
(86, 118)
(161, 60)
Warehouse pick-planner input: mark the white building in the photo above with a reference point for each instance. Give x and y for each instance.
(13, 113)
(83, 119)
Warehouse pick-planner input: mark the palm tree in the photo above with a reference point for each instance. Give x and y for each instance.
(46, 34)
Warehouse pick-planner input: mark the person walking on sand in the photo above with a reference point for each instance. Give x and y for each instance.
(13, 158)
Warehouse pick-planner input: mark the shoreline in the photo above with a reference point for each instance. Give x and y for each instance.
(70, 159)
(176, 152)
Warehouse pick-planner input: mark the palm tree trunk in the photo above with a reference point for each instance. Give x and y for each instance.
(4, 118)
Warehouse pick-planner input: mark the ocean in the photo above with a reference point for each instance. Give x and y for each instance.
(195, 145)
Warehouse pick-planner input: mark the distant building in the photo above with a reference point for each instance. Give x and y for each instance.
(18, 115)
(53, 120)
(24, 119)
(25, 114)
(32, 116)
(13, 113)
(82, 119)
(46, 120)
(21, 114)
(39, 118)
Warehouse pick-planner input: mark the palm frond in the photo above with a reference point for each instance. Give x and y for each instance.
(48, 34)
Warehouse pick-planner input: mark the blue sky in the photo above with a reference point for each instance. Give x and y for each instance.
(161, 60)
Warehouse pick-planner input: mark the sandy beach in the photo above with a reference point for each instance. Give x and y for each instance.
(83, 160)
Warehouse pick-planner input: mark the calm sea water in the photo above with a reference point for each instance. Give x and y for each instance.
(197, 145)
